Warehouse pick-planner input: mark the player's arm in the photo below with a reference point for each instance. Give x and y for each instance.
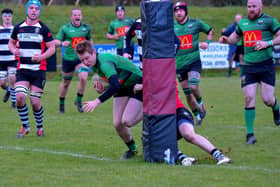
(49, 52)
(110, 34)
(12, 46)
(127, 40)
(265, 44)
(114, 86)
(204, 45)
(232, 39)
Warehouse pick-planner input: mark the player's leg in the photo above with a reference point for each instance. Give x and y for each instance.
(12, 80)
(3, 81)
(250, 92)
(186, 130)
(119, 105)
(68, 68)
(194, 79)
(190, 99)
(36, 92)
(22, 87)
(270, 100)
(82, 71)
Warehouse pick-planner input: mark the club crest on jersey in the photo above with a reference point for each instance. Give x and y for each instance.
(84, 29)
(37, 30)
(190, 26)
(260, 22)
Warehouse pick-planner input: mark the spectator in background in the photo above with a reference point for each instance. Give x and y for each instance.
(232, 47)
(276, 54)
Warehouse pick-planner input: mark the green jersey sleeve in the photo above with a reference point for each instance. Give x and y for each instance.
(108, 68)
(204, 27)
(110, 28)
(275, 26)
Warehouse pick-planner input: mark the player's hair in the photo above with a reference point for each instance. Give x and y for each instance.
(75, 8)
(84, 46)
(7, 11)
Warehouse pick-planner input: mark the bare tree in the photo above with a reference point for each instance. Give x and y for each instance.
(77, 2)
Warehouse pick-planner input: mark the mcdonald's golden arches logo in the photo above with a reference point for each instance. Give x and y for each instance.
(121, 31)
(186, 41)
(76, 40)
(251, 37)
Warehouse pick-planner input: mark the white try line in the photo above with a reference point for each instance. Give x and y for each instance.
(79, 155)
(63, 153)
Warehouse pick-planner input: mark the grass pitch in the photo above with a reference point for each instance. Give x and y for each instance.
(84, 149)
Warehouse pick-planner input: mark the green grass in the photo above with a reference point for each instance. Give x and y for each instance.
(74, 143)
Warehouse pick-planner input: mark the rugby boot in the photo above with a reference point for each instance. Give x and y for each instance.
(128, 154)
(202, 111)
(222, 159)
(250, 139)
(188, 161)
(6, 96)
(23, 132)
(79, 106)
(276, 117)
(13, 105)
(40, 132)
(198, 120)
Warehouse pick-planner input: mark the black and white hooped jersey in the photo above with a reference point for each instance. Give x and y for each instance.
(32, 40)
(5, 34)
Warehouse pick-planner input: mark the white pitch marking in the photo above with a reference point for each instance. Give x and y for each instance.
(79, 155)
(63, 153)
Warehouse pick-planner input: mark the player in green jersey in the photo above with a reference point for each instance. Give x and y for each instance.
(257, 31)
(118, 29)
(68, 37)
(121, 75)
(188, 64)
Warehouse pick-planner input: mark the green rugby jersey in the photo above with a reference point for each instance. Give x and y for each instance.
(120, 27)
(108, 64)
(188, 33)
(260, 29)
(74, 35)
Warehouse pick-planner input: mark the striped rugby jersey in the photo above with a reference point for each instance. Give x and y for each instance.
(5, 34)
(32, 40)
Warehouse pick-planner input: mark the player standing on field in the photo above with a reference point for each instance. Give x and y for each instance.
(257, 31)
(68, 36)
(8, 63)
(118, 28)
(188, 64)
(33, 37)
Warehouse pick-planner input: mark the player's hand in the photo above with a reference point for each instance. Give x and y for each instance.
(65, 43)
(223, 39)
(116, 37)
(17, 52)
(89, 106)
(98, 86)
(126, 55)
(261, 45)
(137, 88)
(37, 58)
(203, 45)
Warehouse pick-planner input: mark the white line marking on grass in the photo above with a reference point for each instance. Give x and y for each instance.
(243, 168)
(79, 155)
(63, 153)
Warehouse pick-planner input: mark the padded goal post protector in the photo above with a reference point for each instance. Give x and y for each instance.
(159, 135)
